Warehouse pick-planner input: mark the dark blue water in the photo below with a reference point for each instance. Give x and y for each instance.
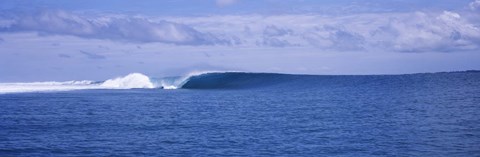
(253, 115)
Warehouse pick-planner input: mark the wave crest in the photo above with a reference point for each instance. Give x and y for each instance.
(178, 82)
(235, 80)
(133, 80)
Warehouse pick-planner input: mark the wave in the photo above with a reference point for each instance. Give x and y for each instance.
(237, 80)
(133, 80)
(193, 80)
(179, 82)
(212, 80)
(244, 80)
(130, 81)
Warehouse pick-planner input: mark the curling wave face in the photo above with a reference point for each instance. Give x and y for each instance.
(238, 80)
(245, 80)
(179, 82)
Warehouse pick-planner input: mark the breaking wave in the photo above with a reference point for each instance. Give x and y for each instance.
(212, 80)
(193, 80)
(245, 80)
(134, 80)
(238, 80)
(179, 82)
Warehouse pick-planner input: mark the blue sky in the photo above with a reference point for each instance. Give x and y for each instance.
(208, 7)
(46, 40)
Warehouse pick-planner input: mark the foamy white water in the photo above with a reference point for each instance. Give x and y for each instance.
(44, 86)
(130, 81)
(134, 80)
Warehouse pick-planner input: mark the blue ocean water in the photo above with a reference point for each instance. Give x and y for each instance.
(248, 114)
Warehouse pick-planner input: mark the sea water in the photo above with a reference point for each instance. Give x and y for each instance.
(245, 114)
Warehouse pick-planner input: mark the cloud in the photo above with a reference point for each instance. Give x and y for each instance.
(93, 55)
(133, 29)
(223, 3)
(275, 42)
(400, 32)
(423, 32)
(275, 37)
(64, 56)
(275, 31)
(344, 40)
(475, 5)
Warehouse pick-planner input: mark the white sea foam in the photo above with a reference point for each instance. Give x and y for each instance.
(134, 80)
(46, 86)
(130, 81)
(169, 86)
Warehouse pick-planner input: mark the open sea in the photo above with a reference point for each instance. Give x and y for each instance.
(245, 114)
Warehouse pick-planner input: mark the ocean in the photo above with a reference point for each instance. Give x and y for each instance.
(244, 114)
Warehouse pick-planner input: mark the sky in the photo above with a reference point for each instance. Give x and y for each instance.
(57, 40)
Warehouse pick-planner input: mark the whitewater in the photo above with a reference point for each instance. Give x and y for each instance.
(130, 81)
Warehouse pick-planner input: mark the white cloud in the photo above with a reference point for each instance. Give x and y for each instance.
(223, 3)
(402, 32)
(475, 5)
(133, 29)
